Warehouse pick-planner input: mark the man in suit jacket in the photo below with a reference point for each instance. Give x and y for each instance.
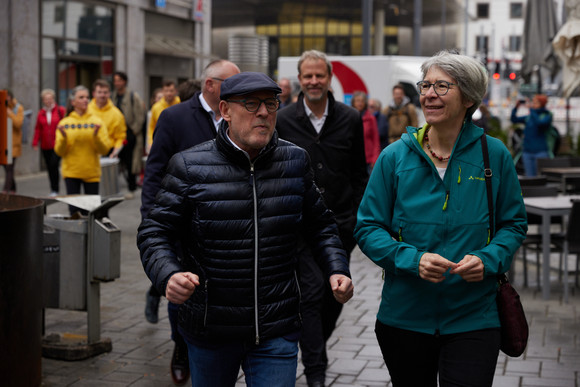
(180, 127)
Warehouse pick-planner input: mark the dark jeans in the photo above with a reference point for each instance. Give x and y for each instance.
(126, 159)
(9, 182)
(73, 186)
(52, 162)
(461, 359)
(272, 363)
(319, 310)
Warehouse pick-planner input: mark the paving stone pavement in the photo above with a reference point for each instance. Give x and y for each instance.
(141, 351)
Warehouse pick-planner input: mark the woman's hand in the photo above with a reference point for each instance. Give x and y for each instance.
(432, 267)
(470, 268)
(61, 130)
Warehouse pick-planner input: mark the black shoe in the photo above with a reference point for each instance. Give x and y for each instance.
(152, 308)
(316, 384)
(180, 365)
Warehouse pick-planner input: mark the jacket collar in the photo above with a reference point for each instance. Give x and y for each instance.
(468, 134)
(301, 112)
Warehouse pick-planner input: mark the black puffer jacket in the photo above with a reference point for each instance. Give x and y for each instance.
(239, 223)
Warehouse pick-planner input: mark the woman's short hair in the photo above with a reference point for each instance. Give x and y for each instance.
(360, 94)
(47, 92)
(76, 90)
(468, 73)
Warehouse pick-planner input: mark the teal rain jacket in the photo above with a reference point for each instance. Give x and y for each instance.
(408, 210)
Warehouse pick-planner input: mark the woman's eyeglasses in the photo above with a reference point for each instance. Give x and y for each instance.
(440, 87)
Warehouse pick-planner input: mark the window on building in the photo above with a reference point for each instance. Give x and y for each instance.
(481, 42)
(483, 10)
(515, 43)
(516, 10)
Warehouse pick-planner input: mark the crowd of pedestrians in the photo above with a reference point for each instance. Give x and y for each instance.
(253, 198)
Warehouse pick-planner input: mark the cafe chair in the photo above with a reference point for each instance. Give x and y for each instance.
(533, 240)
(572, 241)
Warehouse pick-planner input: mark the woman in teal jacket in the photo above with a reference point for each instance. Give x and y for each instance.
(424, 219)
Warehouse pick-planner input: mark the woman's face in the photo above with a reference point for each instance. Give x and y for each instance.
(48, 100)
(81, 101)
(445, 109)
(358, 103)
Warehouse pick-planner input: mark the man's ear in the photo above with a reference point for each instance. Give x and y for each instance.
(225, 110)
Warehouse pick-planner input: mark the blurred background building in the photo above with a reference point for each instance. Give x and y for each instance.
(62, 43)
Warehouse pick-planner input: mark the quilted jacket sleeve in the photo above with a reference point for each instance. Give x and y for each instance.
(162, 227)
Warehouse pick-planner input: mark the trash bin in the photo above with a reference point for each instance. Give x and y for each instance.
(20, 290)
(109, 185)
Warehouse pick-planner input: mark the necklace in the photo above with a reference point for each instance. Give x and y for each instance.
(426, 139)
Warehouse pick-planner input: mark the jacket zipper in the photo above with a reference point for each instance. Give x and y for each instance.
(255, 251)
(206, 302)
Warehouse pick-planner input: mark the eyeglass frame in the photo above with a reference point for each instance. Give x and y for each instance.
(421, 92)
(218, 79)
(262, 101)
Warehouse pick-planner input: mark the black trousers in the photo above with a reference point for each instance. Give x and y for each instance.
(126, 159)
(462, 360)
(9, 182)
(319, 311)
(73, 186)
(52, 162)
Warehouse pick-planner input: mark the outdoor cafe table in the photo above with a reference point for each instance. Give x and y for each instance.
(547, 207)
(562, 173)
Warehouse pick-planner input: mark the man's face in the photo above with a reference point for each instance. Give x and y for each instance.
(250, 131)
(169, 93)
(374, 105)
(398, 95)
(286, 89)
(119, 83)
(314, 79)
(101, 95)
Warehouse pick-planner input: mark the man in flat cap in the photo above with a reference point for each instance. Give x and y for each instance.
(237, 205)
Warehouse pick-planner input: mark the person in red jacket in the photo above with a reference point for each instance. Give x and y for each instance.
(371, 131)
(45, 132)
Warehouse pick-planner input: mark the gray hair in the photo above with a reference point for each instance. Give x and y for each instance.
(470, 75)
(213, 69)
(46, 92)
(315, 55)
(76, 90)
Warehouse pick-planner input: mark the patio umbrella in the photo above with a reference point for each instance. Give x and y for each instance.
(566, 45)
(540, 26)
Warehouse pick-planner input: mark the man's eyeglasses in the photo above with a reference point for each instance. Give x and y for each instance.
(218, 79)
(440, 87)
(253, 104)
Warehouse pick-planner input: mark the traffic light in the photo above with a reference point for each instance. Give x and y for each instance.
(496, 74)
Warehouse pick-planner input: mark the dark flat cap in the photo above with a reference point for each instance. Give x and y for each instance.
(248, 82)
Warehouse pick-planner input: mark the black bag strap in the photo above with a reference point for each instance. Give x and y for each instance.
(488, 174)
(501, 278)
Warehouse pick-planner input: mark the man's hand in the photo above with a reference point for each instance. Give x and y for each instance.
(432, 267)
(181, 286)
(470, 268)
(342, 287)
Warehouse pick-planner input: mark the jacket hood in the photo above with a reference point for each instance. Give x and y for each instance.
(108, 106)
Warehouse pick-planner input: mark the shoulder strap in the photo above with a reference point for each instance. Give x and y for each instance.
(488, 174)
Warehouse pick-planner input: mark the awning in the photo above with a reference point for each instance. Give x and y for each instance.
(172, 46)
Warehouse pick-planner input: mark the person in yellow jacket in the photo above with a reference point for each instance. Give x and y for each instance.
(16, 114)
(170, 98)
(80, 140)
(102, 107)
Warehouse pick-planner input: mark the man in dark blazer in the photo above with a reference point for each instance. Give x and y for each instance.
(180, 127)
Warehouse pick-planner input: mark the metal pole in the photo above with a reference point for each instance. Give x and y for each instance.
(443, 22)
(367, 15)
(465, 24)
(417, 22)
